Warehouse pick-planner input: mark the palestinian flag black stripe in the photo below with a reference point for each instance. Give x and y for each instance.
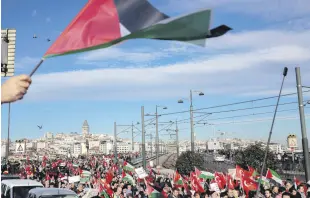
(137, 14)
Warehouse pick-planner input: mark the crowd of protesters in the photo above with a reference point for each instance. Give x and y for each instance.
(108, 179)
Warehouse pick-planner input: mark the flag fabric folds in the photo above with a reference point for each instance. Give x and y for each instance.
(206, 175)
(151, 192)
(271, 174)
(128, 167)
(177, 180)
(103, 23)
(129, 179)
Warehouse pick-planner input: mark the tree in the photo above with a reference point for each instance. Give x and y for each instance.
(188, 161)
(225, 152)
(253, 156)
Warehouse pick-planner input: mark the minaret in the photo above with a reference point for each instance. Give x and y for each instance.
(85, 128)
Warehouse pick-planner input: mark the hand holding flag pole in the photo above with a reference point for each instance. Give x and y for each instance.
(270, 133)
(36, 67)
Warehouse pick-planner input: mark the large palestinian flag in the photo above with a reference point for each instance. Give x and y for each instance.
(103, 23)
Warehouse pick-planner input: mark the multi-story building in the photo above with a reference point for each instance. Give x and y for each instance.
(31, 146)
(42, 145)
(77, 148)
(276, 148)
(93, 143)
(214, 145)
(123, 147)
(106, 147)
(49, 136)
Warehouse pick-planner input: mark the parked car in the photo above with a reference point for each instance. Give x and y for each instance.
(51, 193)
(18, 188)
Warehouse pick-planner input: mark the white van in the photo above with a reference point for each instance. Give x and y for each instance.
(18, 188)
(219, 158)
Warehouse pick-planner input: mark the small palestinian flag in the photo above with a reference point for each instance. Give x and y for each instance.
(151, 192)
(206, 175)
(271, 174)
(177, 180)
(263, 181)
(128, 178)
(85, 173)
(103, 23)
(128, 167)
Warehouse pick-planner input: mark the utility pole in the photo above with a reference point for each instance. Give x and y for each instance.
(8, 143)
(305, 146)
(192, 122)
(115, 144)
(177, 137)
(151, 144)
(132, 138)
(143, 138)
(156, 139)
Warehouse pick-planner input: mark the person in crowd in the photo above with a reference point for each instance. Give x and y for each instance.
(287, 195)
(275, 191)
(301, 191)
(14, 88)
(118, 193)
(288, 186)
(268, 193)
(129, 190)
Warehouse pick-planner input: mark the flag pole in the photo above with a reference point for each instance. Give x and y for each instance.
(270, 133)
(36, 67)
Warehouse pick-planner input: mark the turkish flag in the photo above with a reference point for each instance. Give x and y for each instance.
(248, 184)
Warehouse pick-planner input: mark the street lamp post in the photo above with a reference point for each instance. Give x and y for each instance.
(192, 117)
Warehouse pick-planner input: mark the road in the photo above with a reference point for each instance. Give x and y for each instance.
(217, 166)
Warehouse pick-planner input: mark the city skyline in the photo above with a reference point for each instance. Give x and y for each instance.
(127, 137)
(111, 85)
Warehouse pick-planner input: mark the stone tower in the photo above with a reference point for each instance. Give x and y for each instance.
(85, 128)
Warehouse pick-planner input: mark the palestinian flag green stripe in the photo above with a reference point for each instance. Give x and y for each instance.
(206, 175)
(155, 194)
(129, 179)
(191, 27)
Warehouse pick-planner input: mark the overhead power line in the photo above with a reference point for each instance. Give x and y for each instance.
(231, 104)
